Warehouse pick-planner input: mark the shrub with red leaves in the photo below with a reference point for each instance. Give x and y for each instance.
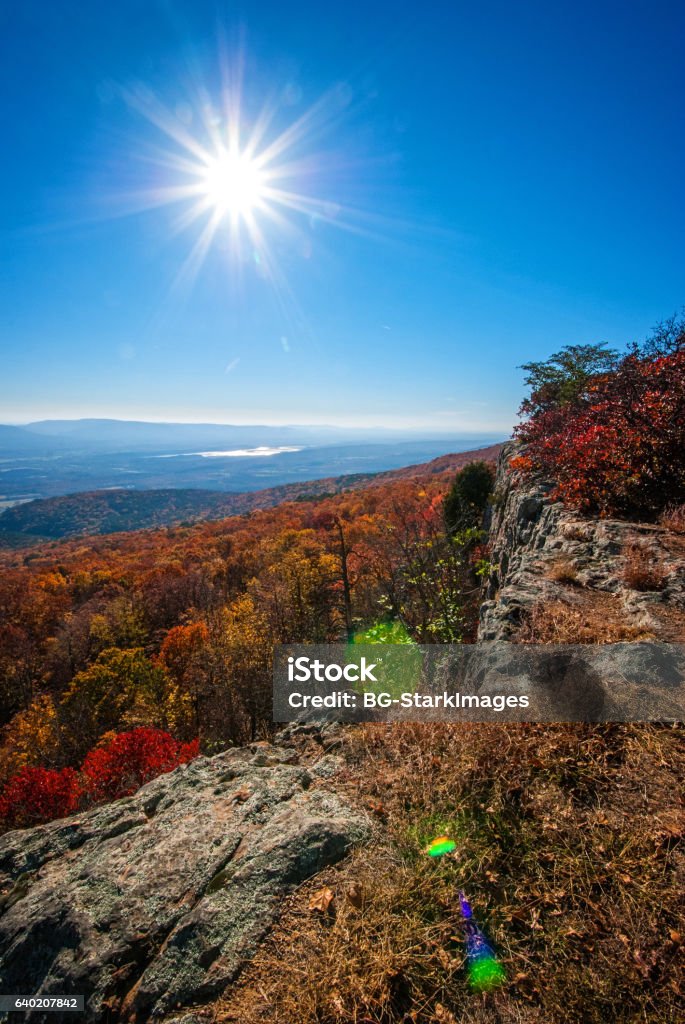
(117, 768)
(35, 795)
(129, 759)
(619, 450)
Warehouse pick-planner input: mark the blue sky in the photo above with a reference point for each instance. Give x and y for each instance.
(484, 183)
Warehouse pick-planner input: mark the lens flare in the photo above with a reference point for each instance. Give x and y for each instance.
(483, 968)
(441, 846)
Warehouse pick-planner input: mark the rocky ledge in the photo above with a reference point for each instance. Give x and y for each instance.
(544, 552)
(153, 902)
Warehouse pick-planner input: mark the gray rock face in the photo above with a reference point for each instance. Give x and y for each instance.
(529, 532)
(152, 903)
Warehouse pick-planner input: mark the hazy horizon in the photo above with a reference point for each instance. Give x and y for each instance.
(322, 425)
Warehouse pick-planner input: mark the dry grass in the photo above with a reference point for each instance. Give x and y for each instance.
(643, 568)
(674, 518)
(598, 620)
(570, 845)
(671, 623)
(563, 570)
(575, 531)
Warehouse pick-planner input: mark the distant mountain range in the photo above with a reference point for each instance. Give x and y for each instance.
(134, 435)
(22, 441)
(116, 510)
(51, 458)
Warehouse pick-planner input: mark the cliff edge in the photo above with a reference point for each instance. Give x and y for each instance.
(562, 577)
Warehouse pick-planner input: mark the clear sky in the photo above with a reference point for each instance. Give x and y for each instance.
(478, 185)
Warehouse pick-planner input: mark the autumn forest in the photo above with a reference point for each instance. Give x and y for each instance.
(120, 655)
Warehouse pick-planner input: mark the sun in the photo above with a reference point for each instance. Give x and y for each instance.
(255, 186)
(233, 184)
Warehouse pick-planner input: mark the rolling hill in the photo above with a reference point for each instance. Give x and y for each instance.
(117, 510)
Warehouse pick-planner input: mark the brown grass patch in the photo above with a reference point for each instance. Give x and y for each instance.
(674, 518)
(597, 620)
(643, 568)
(563, 570)
(570, 845)
(575, 531)
(671, 623)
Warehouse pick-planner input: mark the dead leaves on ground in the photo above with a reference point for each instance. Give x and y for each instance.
(321, 900)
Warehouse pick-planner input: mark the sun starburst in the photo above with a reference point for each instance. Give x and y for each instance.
(242, 183)
(254, 184)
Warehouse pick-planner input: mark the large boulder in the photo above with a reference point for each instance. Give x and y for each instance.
(153, 902)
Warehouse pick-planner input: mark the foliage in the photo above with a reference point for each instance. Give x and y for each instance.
(384, 633)
(617, 448)
(33, 740)
(467, 498)
(31, 606)
(564, 378)
(183, 657)
(125, 761)
(120, 687)
(117, 767)
(667, 337)
(39, 794)
(243, 659)
(173, 629)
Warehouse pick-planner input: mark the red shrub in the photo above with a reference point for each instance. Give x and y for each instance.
(36, 795)
(129, 759)
(621, 448)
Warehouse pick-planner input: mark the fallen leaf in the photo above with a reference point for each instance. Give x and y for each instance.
(444, 958)
(241, 795)
(376, 807)
(676, 937)
(321, 900)
(355, 895)
(640, 961)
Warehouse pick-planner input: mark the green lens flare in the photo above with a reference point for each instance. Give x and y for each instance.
(486, 973)
(440, 846)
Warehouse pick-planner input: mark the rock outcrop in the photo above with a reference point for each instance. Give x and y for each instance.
(153, 902)
(543, 552)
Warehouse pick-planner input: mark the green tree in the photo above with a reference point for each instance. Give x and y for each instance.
(563, 378)
(467, 498)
